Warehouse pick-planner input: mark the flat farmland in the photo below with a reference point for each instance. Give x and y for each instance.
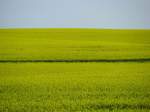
(74, 70)
(73, 44)
(73, 87)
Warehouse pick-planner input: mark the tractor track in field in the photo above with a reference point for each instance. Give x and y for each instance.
(77, 60)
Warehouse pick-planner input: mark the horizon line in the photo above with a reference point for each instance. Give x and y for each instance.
(88, 28)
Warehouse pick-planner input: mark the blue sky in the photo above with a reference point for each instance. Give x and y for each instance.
(75, 13)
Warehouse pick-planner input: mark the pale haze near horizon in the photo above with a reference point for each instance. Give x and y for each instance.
(75, 14)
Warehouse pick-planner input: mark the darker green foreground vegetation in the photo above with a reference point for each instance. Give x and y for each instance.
(73, 87)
